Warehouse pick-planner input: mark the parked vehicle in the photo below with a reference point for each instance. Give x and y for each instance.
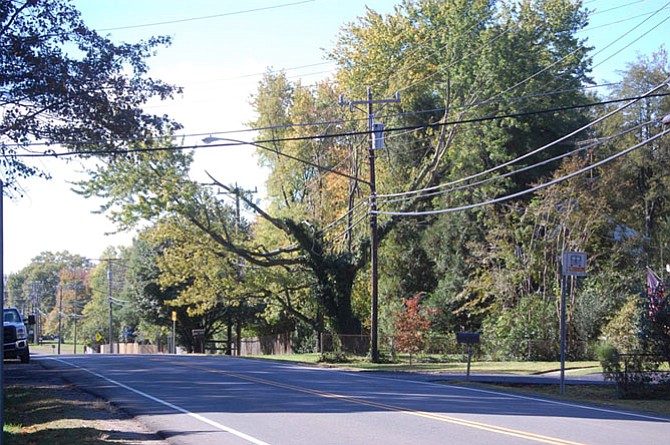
(16, 335)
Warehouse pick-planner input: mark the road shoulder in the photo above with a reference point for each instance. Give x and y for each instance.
(50, 409)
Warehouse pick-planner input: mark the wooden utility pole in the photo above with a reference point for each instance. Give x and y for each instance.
(376, 138)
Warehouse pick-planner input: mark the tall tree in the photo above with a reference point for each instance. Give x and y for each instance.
(445, 56)
(638, 183)
(63, 83)
(36, 287)
(454, 60)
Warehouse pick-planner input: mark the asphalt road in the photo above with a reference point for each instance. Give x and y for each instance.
(198, 400)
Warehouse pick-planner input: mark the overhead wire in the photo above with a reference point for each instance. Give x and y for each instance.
(339, 121)
(540, 149)
(305, 65)
(349, 212)
(384, 199)
(53, 154)
(632, 42)
(616, 22)
(614, 8)
(351, 226)
(207, 17)
(491, 99)
(235, 142)
(529, 190)
(325, 123)
(626, 33)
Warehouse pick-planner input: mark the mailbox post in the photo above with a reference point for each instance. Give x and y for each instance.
(199, 339)
(469, 339)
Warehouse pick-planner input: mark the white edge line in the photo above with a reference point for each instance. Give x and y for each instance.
(169, 405)
(485, 391)
(535, 399)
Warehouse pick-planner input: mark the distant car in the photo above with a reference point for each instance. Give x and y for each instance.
(15, 335)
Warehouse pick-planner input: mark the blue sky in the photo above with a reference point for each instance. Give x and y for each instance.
(219, 49)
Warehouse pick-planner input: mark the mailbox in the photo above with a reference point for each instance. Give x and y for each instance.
(467, 338)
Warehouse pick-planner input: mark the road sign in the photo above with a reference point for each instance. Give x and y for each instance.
(574, 263)
(98, 337)
(174, 315)
(198, 332)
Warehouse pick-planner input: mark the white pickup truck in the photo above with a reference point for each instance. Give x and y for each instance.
(16, 335)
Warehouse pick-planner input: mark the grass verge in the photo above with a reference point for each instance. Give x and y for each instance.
(51, 347)
(602, 395)
(438, 364)
(39, 408)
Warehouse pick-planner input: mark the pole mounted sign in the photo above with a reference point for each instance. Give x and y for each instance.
(574, 264)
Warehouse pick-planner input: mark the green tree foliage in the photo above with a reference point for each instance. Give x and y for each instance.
(36, 287)
(188, 260)
(149, 298)
(205, 280)
(525, 331)
(444, 56)
(465, 73)
(306, 196)
(637, 184)
(63, 83)
(106, 280)
(482, 83)
(654, 324)
(622, 330)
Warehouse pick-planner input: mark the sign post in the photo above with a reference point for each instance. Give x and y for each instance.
(574, 264)
(468, 338)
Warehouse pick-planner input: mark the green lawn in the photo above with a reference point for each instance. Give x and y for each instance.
(592, 394)
(51, 347)
(440, 364)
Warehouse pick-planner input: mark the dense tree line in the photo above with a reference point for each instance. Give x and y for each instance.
(492, 103)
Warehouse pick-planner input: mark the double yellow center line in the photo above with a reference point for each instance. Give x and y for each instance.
(425, 414)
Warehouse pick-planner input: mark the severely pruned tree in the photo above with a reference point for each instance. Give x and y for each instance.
(63, 83)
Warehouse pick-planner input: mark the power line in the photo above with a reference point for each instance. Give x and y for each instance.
(632, 42)
(598, 11)
(649, 93)
(402, 197)
(207, 17)
(112, 152)
(630, 31)
(354, 120)
(616, 22)
(532, 189)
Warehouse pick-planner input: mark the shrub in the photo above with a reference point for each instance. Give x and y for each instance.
(333, 357)
(608, 355)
